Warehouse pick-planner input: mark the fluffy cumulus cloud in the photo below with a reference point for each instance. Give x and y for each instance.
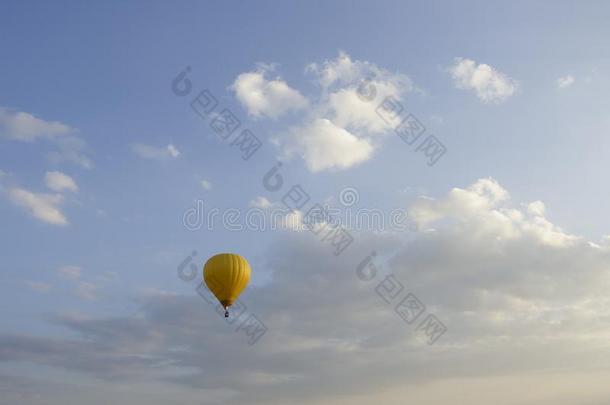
(482, 210)
(520, 298)
(266, 97)
(565, 81)
(324, 145)
(153, 152)
(344, 71)
(536, 208)
(339, 128)
(58, 181)
(489, 84)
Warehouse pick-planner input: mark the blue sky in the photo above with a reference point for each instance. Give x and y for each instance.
(100, 161)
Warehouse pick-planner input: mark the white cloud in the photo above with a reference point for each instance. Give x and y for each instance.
(263, 97)
(536, 208)
(153, 152)
(44, 207)
(260, 202)
(482, 211)
(22, 126)
(206, 184)
(325, 146)
(353, 90)
(565, 81)
(278, 215)
(347, 109)
(489, 84)
(343, 71)
(70, 272)
(336, 129)
(173, 152)
(58, 181)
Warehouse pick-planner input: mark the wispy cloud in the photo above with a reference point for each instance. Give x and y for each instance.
(25, 127)
(42, 206)
(84, 289)
(153, 152)
(70, 149)
(70, 272)
(38, 286)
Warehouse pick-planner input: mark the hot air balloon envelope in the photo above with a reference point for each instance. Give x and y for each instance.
(226, 275)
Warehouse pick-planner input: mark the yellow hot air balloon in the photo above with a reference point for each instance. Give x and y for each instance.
(226, 275)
